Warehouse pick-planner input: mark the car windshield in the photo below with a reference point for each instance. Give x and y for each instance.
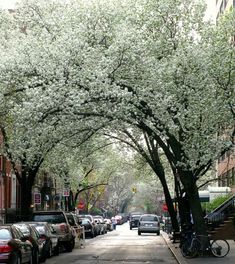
(135, 217)
(23, 228)
(149, 218)
(87, 216)
(41, 229)
(71, 220)
(5, 233)
(53, 219)
(85, 221)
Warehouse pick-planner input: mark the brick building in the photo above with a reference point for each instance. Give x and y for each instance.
(9, 188)
(226, 163)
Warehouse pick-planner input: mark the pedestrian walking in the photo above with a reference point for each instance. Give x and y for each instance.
(114, 222)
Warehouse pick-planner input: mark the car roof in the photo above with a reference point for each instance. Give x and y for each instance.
(34, 222)
(5, 226)
(149, 215)
(48, 212)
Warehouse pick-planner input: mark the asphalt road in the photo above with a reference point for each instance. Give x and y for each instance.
(122, 246)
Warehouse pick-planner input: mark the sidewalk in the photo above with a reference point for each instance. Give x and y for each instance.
(174, 247)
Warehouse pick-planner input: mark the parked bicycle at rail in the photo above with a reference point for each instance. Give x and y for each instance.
(191, 246)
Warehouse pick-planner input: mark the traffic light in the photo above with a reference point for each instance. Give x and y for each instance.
(134, 189)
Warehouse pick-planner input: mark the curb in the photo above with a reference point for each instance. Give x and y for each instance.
(174, 249)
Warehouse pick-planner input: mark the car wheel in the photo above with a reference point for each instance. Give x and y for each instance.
(130, 227)
(35, 257)
(56, 251)
(158, 233)
(16, 259)
(69, 246)
(49, 254)
(92, 234)
(31, 258)
(139, 233)
(43, 259)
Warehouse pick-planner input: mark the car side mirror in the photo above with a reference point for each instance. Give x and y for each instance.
(71, 222)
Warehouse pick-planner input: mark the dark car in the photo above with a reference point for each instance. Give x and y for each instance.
(134, 220)
(36, 240)
(88, 227)
(48, 234)
(60, 224)
(96, 227)
(14, 247)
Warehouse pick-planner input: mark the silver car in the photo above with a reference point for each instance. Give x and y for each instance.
(149, 223)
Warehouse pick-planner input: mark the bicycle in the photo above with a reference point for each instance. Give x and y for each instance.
(191, 247)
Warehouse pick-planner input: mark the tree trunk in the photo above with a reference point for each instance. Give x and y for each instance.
(170, 206)
(71, 205)
(195, 207)
(26, 186)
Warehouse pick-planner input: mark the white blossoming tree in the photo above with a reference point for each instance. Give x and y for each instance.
(148, 64)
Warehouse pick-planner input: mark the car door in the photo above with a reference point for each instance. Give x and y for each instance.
(24, 245)
(53, 236)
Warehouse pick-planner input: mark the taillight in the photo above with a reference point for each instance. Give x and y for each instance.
(63, 228)
(5, 248)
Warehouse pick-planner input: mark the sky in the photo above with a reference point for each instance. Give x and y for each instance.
(7, 3)
(10, 4)
(210, 9)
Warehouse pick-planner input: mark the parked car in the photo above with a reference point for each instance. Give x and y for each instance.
(74, 223)
(119, 220)
(149, 223)
(14, 247)
(96, 227)
(124, 217)
(134, 220)
(60, 224)
(47, 233)
(37, 241)
(88, 227)
(109, 224)
(101, 222)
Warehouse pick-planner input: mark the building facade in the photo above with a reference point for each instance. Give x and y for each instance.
(9, 188)
(226, 163)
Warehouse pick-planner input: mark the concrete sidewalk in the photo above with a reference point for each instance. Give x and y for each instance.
(174, 247)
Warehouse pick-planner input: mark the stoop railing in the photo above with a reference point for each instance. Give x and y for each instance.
(221, 213)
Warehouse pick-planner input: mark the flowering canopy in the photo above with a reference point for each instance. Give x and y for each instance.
(78, 63)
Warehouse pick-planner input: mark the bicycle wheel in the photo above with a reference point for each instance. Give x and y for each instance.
(189, 250)
(220, 248)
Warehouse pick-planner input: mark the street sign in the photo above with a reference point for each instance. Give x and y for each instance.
(65, 192)
(164, 207)
(37, 198)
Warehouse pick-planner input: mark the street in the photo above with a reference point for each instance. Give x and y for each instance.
(119, 246)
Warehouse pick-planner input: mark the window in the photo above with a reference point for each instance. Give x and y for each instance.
(54, 219)
(149, 218)
(5, 234)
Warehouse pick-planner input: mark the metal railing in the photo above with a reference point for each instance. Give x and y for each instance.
(219, 215)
